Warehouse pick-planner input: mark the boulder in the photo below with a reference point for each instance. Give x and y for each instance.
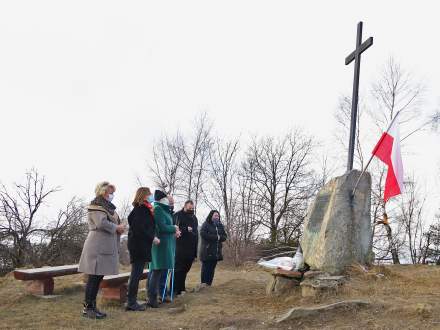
(280, 285)
(337, 229)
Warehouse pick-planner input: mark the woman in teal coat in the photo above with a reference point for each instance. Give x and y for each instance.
(162, 255)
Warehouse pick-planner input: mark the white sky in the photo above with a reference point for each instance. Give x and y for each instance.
(86, 86)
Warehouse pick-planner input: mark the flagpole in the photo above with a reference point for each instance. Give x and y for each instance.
(372, 155)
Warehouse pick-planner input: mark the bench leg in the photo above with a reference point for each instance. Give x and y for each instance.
(115, 293)
(41, 287)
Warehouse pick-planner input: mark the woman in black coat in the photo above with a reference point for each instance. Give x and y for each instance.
(140, 238)
(213, 235)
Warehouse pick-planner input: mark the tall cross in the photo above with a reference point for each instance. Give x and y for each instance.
(356, 56)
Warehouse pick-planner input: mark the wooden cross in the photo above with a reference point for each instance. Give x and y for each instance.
(356, 56)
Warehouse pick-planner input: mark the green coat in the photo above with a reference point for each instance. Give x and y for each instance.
(162, 255)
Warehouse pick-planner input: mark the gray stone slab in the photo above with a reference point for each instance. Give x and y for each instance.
(337, 229)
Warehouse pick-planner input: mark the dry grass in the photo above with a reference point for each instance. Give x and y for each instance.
(406, 297)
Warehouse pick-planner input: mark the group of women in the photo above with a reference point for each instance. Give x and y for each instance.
(157, 238)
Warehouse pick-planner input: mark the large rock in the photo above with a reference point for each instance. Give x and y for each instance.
(280, 285)
(337, 229)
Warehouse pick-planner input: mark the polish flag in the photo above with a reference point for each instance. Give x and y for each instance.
(388, 151)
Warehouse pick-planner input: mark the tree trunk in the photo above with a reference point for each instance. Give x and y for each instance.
(393, 250)
(273, 235)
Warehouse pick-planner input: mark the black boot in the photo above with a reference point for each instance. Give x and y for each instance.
(90, 312)
(98, 311)
(152, 302)
(135, 307)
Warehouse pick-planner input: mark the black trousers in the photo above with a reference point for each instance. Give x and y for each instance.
(137, 268)
(154, 283)
(182, 268)
(92, 288)
(208, 270)
(162, 282)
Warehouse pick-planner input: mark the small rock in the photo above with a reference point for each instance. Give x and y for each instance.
(314, 273)
(48, 297)
(177, 310)
(331, 278)
(199, 287)
(424, 310)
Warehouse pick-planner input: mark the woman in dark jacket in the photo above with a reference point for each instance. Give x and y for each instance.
(213, 235)
(140, 239)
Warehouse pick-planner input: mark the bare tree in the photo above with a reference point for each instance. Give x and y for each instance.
(179, 164)
(195, 158)
(62, 239)
(223, 172)
(283, 177)
(343, 119)
(394, 90)
(398, 90)
(166, 162)
(248, 218)
(384, 243)
(432, 251)
(124, 210)
(18, 214)
(227, 194)
(410, 215)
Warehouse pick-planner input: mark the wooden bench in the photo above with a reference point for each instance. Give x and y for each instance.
(114, 287)
(40, 280)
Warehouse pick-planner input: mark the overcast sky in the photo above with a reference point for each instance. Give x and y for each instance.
(86, 86)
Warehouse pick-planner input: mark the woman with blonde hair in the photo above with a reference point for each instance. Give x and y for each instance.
(100, 254)
(140, 239)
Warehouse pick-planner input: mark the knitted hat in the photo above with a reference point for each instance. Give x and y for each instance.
(158, 195)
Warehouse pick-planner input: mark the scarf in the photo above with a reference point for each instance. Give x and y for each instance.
(149, 207)
(105, 204)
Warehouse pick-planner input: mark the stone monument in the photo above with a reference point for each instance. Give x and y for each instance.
(337, 229)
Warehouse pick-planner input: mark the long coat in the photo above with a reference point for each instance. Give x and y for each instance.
(186, 245)
(212, 237)
(140, 234)
(162, 255)
(100, 254)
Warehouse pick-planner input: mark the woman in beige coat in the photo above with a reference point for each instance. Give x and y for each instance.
(100, 255)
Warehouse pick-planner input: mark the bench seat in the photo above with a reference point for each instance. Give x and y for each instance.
(114, 287)
(40, 280)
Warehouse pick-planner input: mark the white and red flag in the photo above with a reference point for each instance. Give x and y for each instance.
(388, 151)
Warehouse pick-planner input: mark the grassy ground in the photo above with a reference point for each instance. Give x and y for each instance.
(407, 297)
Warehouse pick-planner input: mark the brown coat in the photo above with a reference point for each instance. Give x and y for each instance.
(100, 254)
